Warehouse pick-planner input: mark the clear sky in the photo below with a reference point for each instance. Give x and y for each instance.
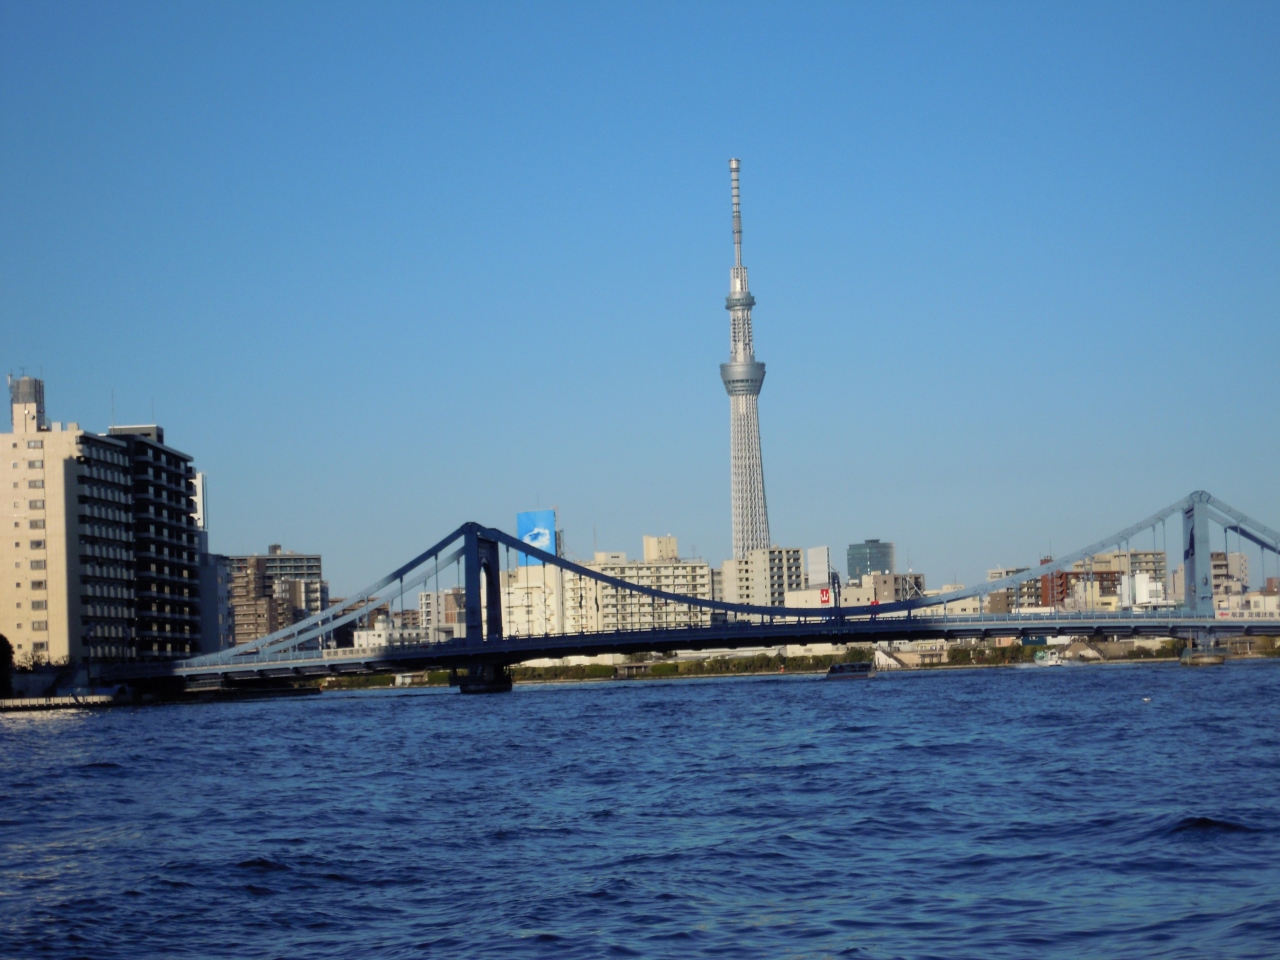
(384, 268)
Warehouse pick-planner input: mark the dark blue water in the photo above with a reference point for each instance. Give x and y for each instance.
(985, 813)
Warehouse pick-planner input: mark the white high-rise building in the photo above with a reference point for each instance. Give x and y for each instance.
(743, 377)
(764, 576)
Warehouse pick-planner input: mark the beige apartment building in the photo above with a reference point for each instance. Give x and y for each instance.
(541, 599)
(67, 590)
(592, 606)
(764, 576)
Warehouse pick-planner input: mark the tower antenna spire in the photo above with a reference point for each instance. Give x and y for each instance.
(737, 213)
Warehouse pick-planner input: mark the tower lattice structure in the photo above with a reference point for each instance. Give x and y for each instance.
(743, 377)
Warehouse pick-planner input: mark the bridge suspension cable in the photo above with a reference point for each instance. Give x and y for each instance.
(484, 616)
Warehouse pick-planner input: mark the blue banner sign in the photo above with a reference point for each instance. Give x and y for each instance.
(537, 528)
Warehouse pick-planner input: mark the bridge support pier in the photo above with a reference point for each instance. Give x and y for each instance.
(1197, 582)
(481, 678)
(483, 575)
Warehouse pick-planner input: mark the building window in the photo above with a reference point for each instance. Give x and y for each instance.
(35, 464)
(35, 484)
(37, 524)
(40, 625)
(37, 564)
(39, 647)
(35, 444)
(37, 584)
(35, 504)
(37, 544)
(39, 604)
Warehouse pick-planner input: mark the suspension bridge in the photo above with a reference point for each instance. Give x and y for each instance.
(480, 655)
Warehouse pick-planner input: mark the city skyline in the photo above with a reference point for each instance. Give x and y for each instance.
(298, 268)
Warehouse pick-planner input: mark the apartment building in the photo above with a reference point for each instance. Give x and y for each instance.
(764, 576)
(274, 590)
(541, 598)
(442, 614)
(69, 590)
(1023, 595)
(165, 544)
(592, 606)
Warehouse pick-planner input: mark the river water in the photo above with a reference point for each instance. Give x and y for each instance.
(1117, 811)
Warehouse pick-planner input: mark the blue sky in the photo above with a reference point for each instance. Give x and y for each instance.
(385, 268)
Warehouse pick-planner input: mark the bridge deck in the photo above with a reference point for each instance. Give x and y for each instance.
(731, 635)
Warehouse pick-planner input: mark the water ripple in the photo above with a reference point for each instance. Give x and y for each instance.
(993, 813)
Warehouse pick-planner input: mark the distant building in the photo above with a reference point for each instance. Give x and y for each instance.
(166, 547)
(108, 549)
(815, 597)
(963, 607)
(254, 609)
(1230, 576)
(898, 587)
(286, 564)
(1025, 594)
(275, 590)
(407, 619)
(822, 583)
(199, 499)
(591, 606)
(544, 599)
(660, 549)
(217, 616)
(818, 569)
(1139, 591)
(1106, 581)
(763, 578)
(870, 556)
(384, 632)
(860, 592)
(1230, 573)
(71, 594)
(442, 613)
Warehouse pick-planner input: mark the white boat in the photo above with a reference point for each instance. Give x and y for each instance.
(1047, 658)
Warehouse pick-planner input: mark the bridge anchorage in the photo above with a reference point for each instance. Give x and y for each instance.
(489, 565)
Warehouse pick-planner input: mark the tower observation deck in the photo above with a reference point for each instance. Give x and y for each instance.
(743, 376)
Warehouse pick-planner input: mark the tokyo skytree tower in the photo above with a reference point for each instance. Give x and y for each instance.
(743, 376)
